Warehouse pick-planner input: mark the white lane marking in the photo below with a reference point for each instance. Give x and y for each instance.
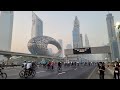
(75, 69)
(91, 73)
(61, 73)
(40, 71)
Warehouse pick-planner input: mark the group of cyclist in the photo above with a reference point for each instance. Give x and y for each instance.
(29, 65)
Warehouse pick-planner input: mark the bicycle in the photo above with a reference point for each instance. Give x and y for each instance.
(26, 73)
(3, 75)
(59, 69)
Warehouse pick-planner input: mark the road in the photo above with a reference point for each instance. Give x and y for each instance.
(80, 72)
(95, 75)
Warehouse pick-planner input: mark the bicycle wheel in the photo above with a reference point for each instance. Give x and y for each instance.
(59, 69)
(21, 74)
(4, 75)
(26, 73)
(33, 73)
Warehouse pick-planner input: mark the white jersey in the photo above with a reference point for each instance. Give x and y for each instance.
(24, 65)
(29, 65)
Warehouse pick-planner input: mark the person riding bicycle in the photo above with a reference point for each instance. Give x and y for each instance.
(52, 65)
(24, 64)
(59, 65)
(1, 68)
(29, 66)
(34, 65)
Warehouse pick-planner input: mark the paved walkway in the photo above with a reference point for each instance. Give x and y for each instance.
(95, 75)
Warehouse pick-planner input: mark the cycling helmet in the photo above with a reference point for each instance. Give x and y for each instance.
(29, 61)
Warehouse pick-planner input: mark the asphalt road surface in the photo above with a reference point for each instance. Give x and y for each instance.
(80, 72)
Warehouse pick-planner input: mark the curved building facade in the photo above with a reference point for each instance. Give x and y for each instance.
(38, 45)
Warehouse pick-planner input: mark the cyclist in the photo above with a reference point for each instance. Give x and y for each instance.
(33, 65)
(29, 66)
(59, 65)
(1, 68)
(52, 65)
(24, 64)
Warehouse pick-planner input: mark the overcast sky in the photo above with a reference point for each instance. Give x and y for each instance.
(59, 25)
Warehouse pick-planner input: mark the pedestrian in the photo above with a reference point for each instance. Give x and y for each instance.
(101, 70)
(116, 71)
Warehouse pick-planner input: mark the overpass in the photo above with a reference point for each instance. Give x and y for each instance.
(87, 50)
(9, 54)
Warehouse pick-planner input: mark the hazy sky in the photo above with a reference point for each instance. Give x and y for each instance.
(59, 25)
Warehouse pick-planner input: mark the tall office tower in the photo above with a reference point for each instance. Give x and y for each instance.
(61, 43)
(6, 27)
(118, 40)
(37, 26)
(112, 37)
(68, 46)
(76, 34)
(81, 41)
(86, 41)
(89, 57)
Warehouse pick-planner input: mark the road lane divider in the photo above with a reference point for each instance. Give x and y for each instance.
(91, 73)
(61, 73)
(75, 69)
(40, 71)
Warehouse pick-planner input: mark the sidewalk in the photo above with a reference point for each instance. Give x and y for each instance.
(95, 75)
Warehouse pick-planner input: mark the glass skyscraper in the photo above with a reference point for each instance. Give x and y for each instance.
(112, 37)
(37, 26)
(76, 34)
(6, 27)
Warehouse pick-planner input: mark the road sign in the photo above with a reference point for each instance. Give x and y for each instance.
(82, 51)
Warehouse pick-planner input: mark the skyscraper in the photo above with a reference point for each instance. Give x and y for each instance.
(37, 26)
(76, 34)
(112, 37)
(118, 40)
(81, 41)
(86, 41)
(61, 43)
(68, 46)
(89, 56)
(6, 27)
